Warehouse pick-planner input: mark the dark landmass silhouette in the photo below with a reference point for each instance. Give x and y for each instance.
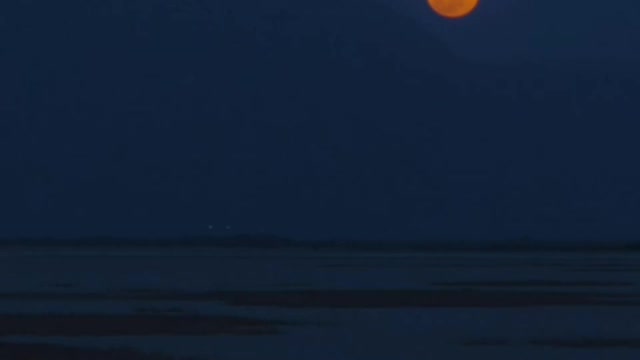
(265, 241)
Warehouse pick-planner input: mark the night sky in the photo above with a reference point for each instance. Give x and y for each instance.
(337, 119)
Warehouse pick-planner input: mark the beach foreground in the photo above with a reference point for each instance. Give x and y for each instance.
(161, 304)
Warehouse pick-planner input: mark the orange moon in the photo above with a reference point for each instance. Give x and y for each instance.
(453, 9)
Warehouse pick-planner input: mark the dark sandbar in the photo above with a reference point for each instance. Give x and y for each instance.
(534, 283)
(133, 325)
(34, 351)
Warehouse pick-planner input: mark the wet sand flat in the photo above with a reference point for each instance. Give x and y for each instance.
(422, 298)
(361, 298)
(567, 343)
(164, 305)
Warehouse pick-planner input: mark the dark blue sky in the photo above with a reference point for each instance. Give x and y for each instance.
(503, 30)
(521, 30)
(343, 118)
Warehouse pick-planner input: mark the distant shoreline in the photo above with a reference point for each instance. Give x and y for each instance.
(269, 242)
